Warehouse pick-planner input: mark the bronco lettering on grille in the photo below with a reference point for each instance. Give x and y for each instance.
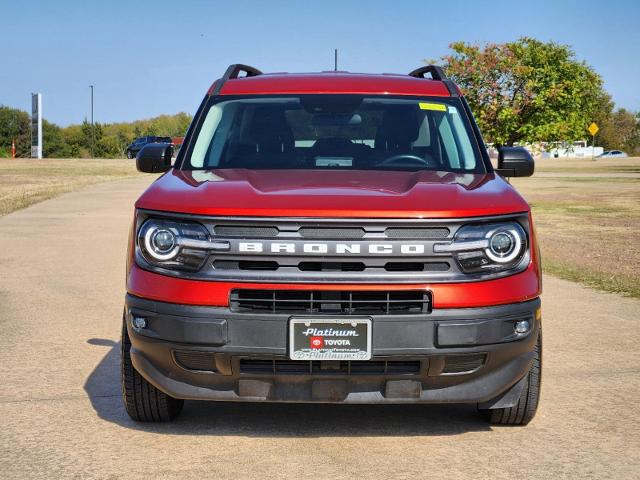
(332, 248)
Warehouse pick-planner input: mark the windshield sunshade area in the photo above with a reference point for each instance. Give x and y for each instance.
(343, 132)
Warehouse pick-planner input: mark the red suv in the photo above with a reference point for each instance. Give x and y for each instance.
(333, 237)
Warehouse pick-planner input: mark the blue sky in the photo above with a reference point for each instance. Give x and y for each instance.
(151, 57)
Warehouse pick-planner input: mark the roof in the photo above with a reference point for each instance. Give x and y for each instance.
(333, 82)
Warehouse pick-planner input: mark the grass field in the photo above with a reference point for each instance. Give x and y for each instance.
(587, 213)
(24, 182)
(587, 216)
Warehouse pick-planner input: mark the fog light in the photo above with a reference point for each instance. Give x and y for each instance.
(139, 323)
(522, 326)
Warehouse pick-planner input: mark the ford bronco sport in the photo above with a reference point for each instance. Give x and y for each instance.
(333, 237)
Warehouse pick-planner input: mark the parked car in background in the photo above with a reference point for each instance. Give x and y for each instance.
(138, 143)
(612, 154)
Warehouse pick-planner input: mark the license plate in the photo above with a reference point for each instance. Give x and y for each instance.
(330, 339)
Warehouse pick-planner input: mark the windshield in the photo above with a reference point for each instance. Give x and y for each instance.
(335, 132)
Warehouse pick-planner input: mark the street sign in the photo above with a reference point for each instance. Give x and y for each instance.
(593, 129)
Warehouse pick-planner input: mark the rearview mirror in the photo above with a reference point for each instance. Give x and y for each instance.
(154, 158)
(335, 119)
(515, 162)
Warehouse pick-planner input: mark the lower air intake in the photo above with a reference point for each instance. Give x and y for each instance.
(462, 363)
(200, 361)
(402, 302)
(297, 367)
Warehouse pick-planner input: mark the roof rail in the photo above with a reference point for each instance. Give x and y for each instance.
(233, 71)
(437, 73)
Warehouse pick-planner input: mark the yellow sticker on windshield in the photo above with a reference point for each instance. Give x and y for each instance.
(438, 107)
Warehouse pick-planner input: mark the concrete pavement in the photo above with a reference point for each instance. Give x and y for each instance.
(61, 416)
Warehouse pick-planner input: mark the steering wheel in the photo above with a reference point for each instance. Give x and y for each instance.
(408, 158)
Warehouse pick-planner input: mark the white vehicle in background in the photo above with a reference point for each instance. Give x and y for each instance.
(612, 154)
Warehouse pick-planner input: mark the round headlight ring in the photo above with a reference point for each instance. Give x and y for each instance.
(501, 244)
(163, 240)
(168, 239)
(497, 238)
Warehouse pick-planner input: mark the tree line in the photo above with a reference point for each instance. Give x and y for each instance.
(109, 140)
(521, 92)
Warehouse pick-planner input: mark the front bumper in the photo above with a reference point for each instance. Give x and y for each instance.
(465, 355)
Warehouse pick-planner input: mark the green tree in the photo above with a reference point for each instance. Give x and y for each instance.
(15, 125)
(527, 90)
(109, 140)
(109, 147)
(74, 141)
(602, 117)
(91, 138)
(152, 129)
(53, 142)
(620, 130)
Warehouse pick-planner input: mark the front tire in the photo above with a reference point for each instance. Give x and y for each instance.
(143, 401)
(129, 154)
(525, 409)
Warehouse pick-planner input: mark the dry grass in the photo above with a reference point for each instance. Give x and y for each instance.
(24, 182)
(574, 165)
(588, 225)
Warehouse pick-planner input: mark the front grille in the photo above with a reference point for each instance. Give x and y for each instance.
(331, 266)
(416, 267)
(337, 251)
(296, 367)
(272, 231)
(462, 363)
(200, 361)
(313, 232)
(245, 265)
(310, 266)
(245, 231)
(427, 233)
(404, 302)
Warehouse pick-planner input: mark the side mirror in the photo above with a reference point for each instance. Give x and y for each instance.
(154, 158)
(515, 162)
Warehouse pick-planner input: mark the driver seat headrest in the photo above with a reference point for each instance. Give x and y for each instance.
(270, 132)
(399, 129)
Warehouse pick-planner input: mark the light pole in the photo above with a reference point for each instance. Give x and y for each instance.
(92, 129)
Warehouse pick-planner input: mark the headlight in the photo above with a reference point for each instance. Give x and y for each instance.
(505, 245)
(487, 247)
(160, 243)
(175, 244)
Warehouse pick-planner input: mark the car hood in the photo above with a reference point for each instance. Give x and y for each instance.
(331, 193)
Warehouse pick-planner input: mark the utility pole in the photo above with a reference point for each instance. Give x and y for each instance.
(93, 137)
(335, 60)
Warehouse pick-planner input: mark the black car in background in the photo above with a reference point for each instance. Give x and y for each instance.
(138, 143)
